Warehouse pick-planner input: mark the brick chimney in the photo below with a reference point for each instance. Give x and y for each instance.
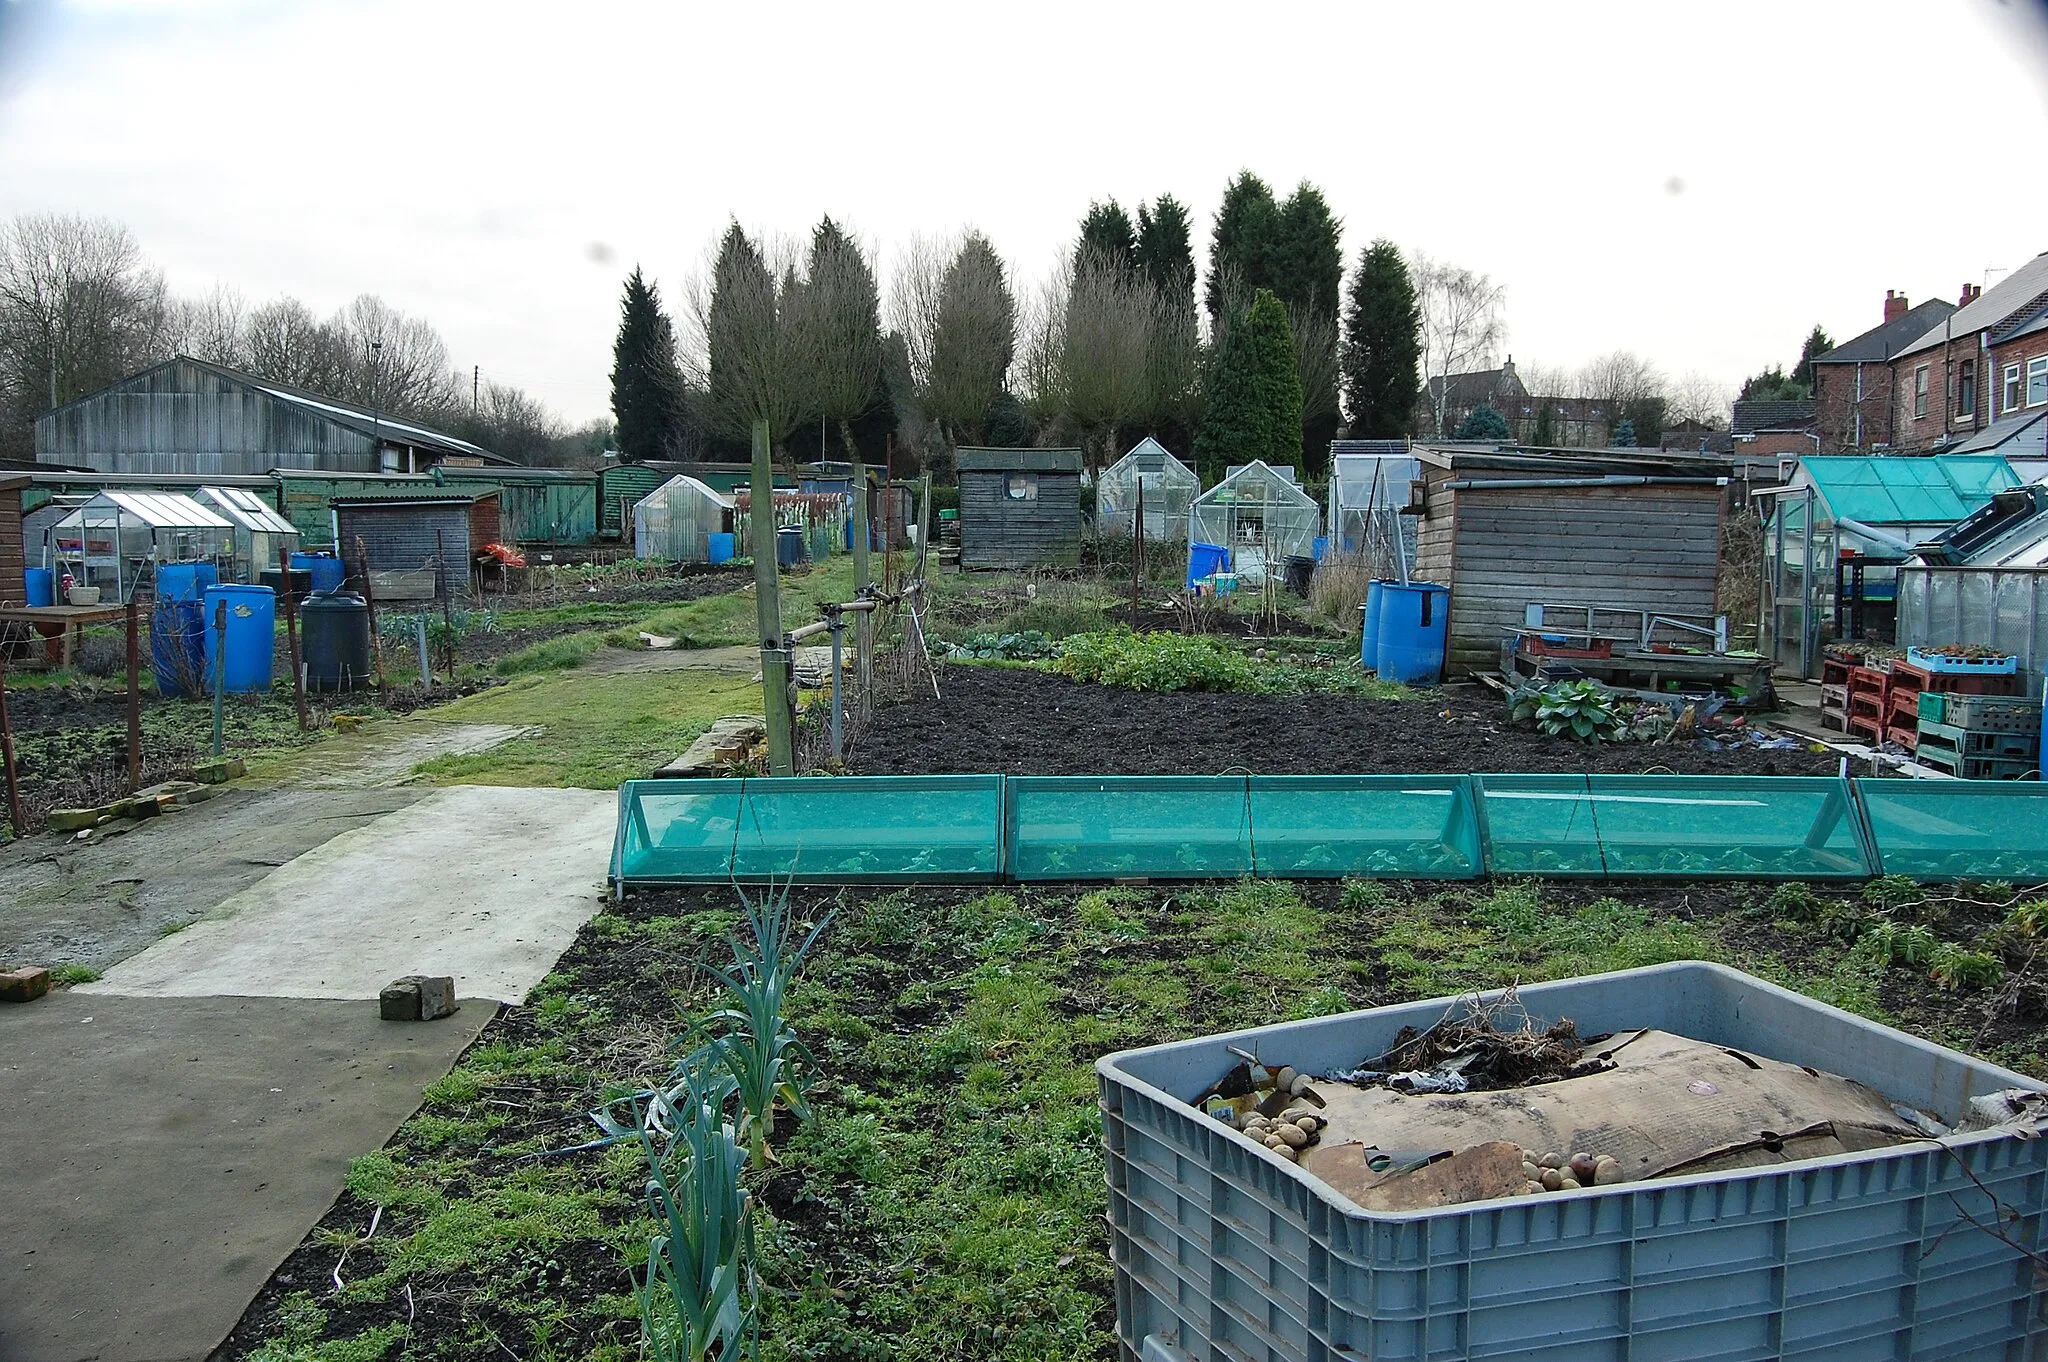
(1971, 292)
(1894, 305)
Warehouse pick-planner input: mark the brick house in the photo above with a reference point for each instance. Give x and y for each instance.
(1852, 383)
(1575, 422)
(1975, 367)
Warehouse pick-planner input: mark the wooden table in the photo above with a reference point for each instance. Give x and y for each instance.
(71, 619)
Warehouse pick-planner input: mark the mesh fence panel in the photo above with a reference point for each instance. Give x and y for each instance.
(1694, 827)
(1958, 829)
(1105, 827)
(1322, 827)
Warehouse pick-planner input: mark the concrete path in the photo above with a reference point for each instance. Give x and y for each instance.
(743, 660)
(486, 884)
(382, 753)
(164, 1155)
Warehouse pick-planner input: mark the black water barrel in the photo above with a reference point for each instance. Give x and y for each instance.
(335, 637)
(1299, 571)
(301, 582)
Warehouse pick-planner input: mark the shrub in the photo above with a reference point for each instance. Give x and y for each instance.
(2029, 919)
(1583, 710)
(1338, 588)
(1897, 945)
(1957, 970)
(101, 656)
(1155, 662)
(1891, 892)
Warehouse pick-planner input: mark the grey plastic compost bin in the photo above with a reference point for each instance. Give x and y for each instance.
(1226, 1253)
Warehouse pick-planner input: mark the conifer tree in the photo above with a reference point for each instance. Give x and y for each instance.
(647, 381)
(1382, 346)
(1254, 406)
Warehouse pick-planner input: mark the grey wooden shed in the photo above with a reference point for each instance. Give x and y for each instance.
(1019, 508)
(1505, 529)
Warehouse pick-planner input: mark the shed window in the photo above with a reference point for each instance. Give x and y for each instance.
(1021, 487)
(1920, 391)
(2012, 387)
(2037, 381)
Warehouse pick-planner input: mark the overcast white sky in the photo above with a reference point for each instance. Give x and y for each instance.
(1700, 183)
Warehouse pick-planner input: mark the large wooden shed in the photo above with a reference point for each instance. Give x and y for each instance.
(406, 538)
(1505, 529)
(13, 551)
(1019, 508)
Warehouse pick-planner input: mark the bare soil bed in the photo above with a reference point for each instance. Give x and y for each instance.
(1015, 721)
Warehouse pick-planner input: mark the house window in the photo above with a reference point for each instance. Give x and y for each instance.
(2012, 387)
(2037, 381)
(1966, 389)
(1021, 487)
(1920, 391)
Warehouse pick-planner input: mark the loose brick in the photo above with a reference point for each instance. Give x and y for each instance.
(400, 999)
(437, 997)
(24, 985)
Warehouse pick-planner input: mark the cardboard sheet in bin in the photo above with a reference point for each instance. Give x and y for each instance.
(1670, 1105)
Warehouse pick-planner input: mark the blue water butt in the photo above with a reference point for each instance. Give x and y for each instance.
(789, 546)
(40, 586)
(329, 572)
(1206, 560)
(251, 640)
(718, 548)
(1414, 628)
(1369, 632)
(184, 581)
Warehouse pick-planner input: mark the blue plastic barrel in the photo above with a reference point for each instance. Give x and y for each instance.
(184, 581)
(789, 546)
(1321, 547)
(41, 586)
(328, 571)
(1369, 634)
(251, 640)
(1414, 628)
(1206, 560)
(718, 548)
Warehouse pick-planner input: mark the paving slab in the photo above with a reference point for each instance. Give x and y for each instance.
(164, 1155)
(488, 884)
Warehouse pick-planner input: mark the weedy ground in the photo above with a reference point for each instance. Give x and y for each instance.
(947, 1198)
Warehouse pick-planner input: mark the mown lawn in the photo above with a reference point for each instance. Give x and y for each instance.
(946, 1200)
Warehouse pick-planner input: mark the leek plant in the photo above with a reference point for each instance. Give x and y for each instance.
(699, 1300)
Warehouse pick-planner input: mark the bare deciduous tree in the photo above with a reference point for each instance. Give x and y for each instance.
(838, 325)
(1315, 359)
(971, 337)
(740, 337)
(1104, 357)
(213, 327)
(1696, 397)
(1462, 325)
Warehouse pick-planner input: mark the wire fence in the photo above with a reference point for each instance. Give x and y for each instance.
(899, 665)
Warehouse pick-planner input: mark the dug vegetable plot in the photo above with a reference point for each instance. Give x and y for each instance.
(947, 1197)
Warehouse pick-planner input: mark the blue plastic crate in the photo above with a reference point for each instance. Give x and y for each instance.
(1224, 1252)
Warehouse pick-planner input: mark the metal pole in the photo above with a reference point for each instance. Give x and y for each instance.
(370, 605)
(220, 667)
(838, 623)
(134, 701)
(1806, 632)
(768, 612)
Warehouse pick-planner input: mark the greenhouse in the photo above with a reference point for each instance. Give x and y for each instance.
(263, 538)
(1370, 482)
(1168, 487)
(1858, 518)
(117, 540)
(1260, 517)
(677, 520)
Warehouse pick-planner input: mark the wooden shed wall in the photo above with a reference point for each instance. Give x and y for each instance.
(998, 532)
(1652, 547)
(409, 537)
(13, 556)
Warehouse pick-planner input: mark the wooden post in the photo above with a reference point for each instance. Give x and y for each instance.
(447, 603)
(370, 603)
(860, 513)
(291, 633)
(134, 701)
(775, 657)
(17, 816)
(888, 509)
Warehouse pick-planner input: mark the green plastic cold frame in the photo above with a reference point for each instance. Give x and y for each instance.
(1959, 829)
(892, 829)
(1221, 827)
(1692, 827)
(875, 828)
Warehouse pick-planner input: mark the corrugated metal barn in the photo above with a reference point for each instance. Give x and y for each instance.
(188, 417)
(1019, 508)
(1506, 529)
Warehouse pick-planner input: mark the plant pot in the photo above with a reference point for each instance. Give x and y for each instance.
(83, 595)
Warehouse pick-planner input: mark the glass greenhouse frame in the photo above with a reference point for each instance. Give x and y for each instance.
(1170, 488)
(677, 519)
(1367, 493)
(121, 538)
(1261, 516)
(263, 538)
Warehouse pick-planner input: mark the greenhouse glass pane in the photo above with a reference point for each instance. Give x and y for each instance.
(1959, 829)
(883, 828)
(1322, 827)
(1698, 826)
(1106, 827)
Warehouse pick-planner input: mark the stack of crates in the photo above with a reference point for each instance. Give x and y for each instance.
(1870, 702)
(1834, 692)
(1979, 737)
(1902, 706)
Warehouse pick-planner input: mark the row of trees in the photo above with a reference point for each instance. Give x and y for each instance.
(81, 308)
